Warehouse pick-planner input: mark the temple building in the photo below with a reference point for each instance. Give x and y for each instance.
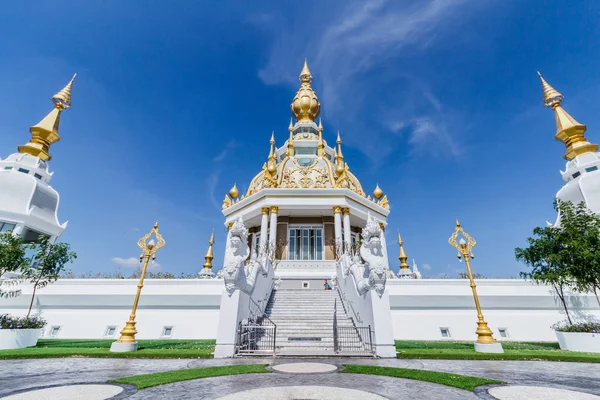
(28, 204)
(305, 204)
(305, 223)
(583, 159)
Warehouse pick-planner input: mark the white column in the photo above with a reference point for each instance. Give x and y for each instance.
(264, 229)
(273, 226)
(337, 221)
(347, 232)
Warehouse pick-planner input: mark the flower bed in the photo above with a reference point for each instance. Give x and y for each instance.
(19, 332)
(583, 336)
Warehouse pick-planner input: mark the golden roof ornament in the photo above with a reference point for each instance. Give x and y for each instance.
(402, 257)
(384, 202)
(45, 132)
(377, 193)
(568, 130)
(272, 157)
(305, 106)
(209, 253)
(321, 145)
(234, 192)
(339, 157)
(290, 145)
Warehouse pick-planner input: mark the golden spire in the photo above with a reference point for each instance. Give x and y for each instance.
(339, 157)
(290, 146)
(377, 193)
(568, 130)
(321, 145)
(45, 132)
(272, 157)
(209, 253)
(233, 192)
(402, 257)
(305, 106)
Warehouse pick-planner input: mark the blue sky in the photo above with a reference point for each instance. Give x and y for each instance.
(438, 101)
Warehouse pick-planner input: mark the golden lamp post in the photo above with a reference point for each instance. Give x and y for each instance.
(149, 247)
(485, 338)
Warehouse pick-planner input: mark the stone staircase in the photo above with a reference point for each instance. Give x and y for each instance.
(304, 320)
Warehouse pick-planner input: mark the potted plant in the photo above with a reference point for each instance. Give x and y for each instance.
(583, 336)
(19, 332)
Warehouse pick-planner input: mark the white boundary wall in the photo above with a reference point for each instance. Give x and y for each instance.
(84, 308)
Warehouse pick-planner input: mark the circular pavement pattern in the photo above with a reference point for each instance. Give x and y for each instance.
(538, 393)
(302, 393)
(304, 368)
(70, 392)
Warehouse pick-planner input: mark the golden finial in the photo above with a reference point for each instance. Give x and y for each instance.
(339, 158)
(45, 132)
(568, 130)
(305, 106)
(305, 75)
(234, 192)
(377, 192)
(552, 96)
(402, 257)
(290, 146)
(62, 99)
(272, 157)
(321, 145)
(209, 254)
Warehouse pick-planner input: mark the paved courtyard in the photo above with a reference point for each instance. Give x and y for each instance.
(19, 379)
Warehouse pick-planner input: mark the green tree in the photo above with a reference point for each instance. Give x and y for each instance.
(581, 230)
(49, 261)
(565, 256)
(12, 259)
(545, 257)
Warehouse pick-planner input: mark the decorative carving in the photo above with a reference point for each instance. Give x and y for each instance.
(226, 202)
(384, 202)
(236, 254)
(372, 273)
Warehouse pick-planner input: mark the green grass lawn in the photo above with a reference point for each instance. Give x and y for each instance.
(458, 381)
(162, 378)
(59, 348)
(447, 350)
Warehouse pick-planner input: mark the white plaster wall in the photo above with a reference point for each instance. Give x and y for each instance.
(421, 307)
(85, 307)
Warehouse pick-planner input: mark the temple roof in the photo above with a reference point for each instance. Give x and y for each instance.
(305, 161)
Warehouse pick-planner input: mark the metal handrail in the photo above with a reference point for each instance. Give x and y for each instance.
(349, 303)
(335, 328)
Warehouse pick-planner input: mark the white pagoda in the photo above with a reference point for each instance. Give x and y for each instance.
(583, 160)
(28, 204)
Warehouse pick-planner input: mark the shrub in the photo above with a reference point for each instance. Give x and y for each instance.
(581, 327)
(9, 322)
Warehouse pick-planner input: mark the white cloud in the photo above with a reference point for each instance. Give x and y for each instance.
(426, 267)
(133, 262)
(232, 144)
(345, 42)
(212, 182)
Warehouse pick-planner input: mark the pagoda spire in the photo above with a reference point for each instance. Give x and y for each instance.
(402, 257)
(568, 130)
(305, 106)
(45, 132)
(209, 253)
